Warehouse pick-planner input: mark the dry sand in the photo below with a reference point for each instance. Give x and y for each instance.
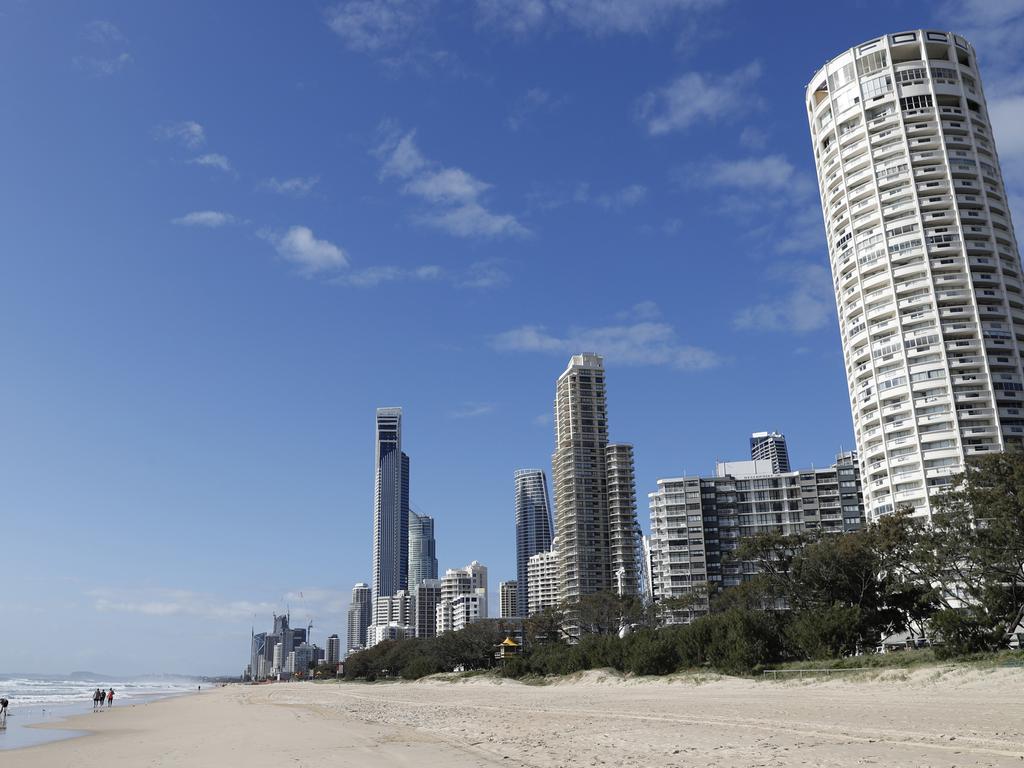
(929, 718)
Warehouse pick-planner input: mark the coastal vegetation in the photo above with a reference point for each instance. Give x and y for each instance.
(955, 583)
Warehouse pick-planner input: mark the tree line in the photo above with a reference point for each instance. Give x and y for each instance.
(957, 580)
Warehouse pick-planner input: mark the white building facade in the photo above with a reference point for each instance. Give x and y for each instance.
(925, 264)
(453, 612)
(544, 582)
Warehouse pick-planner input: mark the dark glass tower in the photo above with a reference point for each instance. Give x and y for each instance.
(533, 524)
(390, 507)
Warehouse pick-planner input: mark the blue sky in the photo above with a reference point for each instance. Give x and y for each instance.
(231, 231)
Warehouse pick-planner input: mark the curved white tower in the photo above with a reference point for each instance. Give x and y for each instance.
(924, 260)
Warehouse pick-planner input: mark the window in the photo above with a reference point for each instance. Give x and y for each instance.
(916, 102)
(876, 86)
(871, 63)
(908, 76)
(840, 77)
(897, 231)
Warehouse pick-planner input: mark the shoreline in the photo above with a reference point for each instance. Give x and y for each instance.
(898, 720)
(38, 725)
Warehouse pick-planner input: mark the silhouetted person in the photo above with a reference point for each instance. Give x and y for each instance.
(110, 697)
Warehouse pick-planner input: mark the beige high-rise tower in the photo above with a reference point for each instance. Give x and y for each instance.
(596, 530)
(925, 265)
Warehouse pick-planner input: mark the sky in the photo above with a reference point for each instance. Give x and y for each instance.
(230, 231)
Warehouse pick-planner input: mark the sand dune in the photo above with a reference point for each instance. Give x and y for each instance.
(930, 718)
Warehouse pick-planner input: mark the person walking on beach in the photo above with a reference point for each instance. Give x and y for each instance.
(110, 698)
(97, 697)
(3, 713)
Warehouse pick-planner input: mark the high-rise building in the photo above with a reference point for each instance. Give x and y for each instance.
(333, 649)
(426, 596)
(360, 614)
(392, 618)
(422, 549)
(544, 581)
(925, 265)
(453, 613)
(283, 630)
(533, 524)
(697, 521)
(624, 534)
(770, 446)
(390, 506)
(508, 600)
(277, 666)
(257, 655)
(587, 563)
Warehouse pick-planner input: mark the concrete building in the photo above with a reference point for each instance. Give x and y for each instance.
(333, 655)
(770, 446)
(277, 666)
(457, 583)
(391, 614)
(544, 582)
(533, 524)
(257, 655)
(925, 264)
(696, 522)
(624, 534)
(360, 614)
(508, 600)
(580, 467)
(425, 598)
(422, 549)
(390, 506)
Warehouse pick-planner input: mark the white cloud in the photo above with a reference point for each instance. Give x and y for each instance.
(401, 156)
(373, 276)
(472, 410)
(296, 186)
(805, 301)
(627, 197)
(103, 67)
(535, 100)
(177, 603)
(696, 96)
(472, 219)
(102, 32)
(454, 195)
(188, 133)
(484, 274)
(769, 173)
(448, 185)
(299, 246)
(638, 343)
(212, 160)
(777, 202)
(596, 17)
(373, 25)
(642, 310)
(753, 138)
(306, 603)
(210, 219)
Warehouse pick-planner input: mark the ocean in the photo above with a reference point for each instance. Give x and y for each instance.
(48, 699)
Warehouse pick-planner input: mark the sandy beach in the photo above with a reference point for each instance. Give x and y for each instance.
(960, 717)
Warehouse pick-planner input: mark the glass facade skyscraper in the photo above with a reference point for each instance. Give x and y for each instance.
(422, 550)
(533, 525)
(390, 507)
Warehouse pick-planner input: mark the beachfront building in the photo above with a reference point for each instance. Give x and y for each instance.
(277, 667)
(624, 534)
(508, 600)
(333, 655)
(697, 522)
(770, 446)
(426, 597)
(392, 618)
(925, 264)
(457, 583)
(580, 466)
(533, 524)
(544, 582)
(422, 549)
(390, 506)
(360, 614)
